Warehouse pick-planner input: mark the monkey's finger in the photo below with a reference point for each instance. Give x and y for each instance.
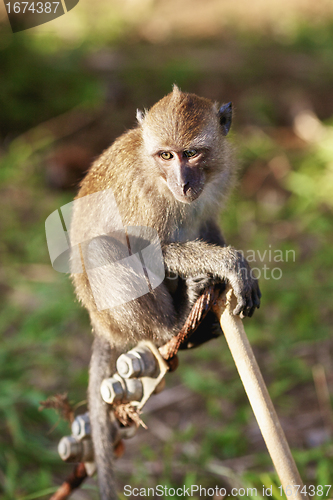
(252, 311)
(249, 304)
(241, 304)
(248, 311)
(256, 297)
(255, 300)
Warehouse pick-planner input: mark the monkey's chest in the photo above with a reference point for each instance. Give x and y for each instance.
(182, 233)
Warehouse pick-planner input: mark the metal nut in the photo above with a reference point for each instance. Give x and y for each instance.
(129, 366)
(116, 390)
(112, 389)
(139, 362)
(71, 449)
(81, 426)
(134, 390)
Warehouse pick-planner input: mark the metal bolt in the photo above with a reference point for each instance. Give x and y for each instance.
(139, 362)
(128, 365)
(71, 449)
(127, 432)
(134, 389)
(81, 426)
(119, 431)
(112, 390)
(116, 389)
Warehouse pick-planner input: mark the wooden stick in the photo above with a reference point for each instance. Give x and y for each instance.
(259, 398)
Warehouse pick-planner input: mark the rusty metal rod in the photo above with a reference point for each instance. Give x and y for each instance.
(73, 481)
(258, 395)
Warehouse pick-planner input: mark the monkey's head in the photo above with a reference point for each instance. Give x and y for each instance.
(184, 135)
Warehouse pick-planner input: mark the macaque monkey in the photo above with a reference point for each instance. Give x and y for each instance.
(171, 173)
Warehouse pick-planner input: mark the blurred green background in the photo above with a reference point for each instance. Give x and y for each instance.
(67, 90)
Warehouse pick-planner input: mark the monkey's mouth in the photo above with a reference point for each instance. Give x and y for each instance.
(186, 194)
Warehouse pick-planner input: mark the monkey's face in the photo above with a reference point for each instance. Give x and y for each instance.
(184, 134)
(183, 172)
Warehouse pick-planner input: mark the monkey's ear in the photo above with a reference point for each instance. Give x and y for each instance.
(225, 116)
(140, 116)
(176, 89)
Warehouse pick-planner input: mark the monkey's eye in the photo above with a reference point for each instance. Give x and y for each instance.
(191, 152)
(166, 155)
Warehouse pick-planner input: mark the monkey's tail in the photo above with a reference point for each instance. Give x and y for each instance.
(102, 435)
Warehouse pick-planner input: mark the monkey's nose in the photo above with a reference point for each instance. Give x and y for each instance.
(185, 187)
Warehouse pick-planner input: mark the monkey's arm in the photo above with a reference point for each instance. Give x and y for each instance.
(222, 264)
(211, 233)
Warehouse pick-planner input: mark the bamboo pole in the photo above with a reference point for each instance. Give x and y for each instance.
(259, 398)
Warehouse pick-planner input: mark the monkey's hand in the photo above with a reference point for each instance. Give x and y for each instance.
(245, 286)
(202, 264)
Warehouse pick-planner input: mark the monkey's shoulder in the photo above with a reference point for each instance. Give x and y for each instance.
(114, 164)
(123, 151)
(131, 140)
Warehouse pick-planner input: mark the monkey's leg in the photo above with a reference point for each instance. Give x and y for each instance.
(102, 435)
